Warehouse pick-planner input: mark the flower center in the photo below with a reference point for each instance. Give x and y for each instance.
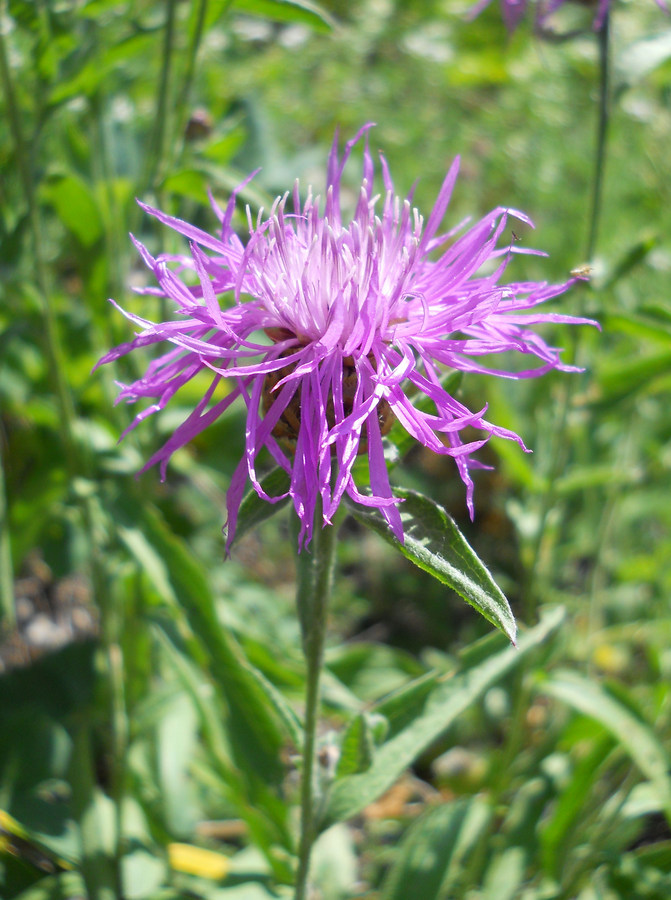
(288, 425)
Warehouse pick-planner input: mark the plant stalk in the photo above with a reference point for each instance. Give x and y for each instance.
(558, 452)
(53, 348)
(603, 39)
(7, 609)
(156, 157)
(182, 106)
(315, 573)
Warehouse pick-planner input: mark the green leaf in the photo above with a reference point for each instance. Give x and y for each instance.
(635, 736)
(75, 206)
(356, 751)
(254, 510)
(632, 258)
(95, 815)
(447, 702)
(299, 11)
(628, 376)
(657, 855)
(434, 543)
(648, 328)
(205, 704)
(505, 875)
(404, 704)
(643, 56)
(55, 887)
(582, 478)
(569, 809)
(431, 858)
(189, 183)
(254, 724)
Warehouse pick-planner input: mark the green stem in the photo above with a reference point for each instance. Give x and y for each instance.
(603, 39)
(53, 351)
(7, 610)
(558, 453)
(155, 158)
(315, 571)
(560, 442)
(190, 71)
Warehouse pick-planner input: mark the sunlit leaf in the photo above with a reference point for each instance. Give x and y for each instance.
(299, 11)
(356, 750)
(643, 56)
(55, 887)
(446, 703)
(431, 858)
(434, 543)
(622, 378)
(75, 205)
(635, 736)
(253, 722)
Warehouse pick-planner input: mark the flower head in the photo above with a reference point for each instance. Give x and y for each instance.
(513, 10)
(328, 325)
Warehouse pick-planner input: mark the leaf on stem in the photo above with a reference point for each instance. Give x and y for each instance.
(351, 794)
(254, 510)
(434, 543)
(356, 751)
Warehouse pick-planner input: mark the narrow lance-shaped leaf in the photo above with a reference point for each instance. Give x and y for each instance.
(434, 543)
(356, 752)
(431, 857)
(630, 376)
(403, 705)
(254, 721)
(569, 810)
(299, 11)
(254, 510)
(634, 735)
(56, 887)
(449, 700)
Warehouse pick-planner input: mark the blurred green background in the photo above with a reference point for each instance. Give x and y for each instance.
(129, 720)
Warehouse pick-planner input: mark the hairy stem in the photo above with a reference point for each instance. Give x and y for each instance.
(603, 39)
(315, 571)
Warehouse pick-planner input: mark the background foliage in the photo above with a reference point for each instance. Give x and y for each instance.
(148, 687)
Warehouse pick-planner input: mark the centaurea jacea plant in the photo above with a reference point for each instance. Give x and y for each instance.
(333, 330)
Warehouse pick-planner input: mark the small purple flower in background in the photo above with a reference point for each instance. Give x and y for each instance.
(513, 10)
(328, 324)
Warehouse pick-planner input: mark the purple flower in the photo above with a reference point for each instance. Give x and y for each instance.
(513, 10)
(330, 326)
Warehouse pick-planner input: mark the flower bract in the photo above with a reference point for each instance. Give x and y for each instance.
(328, 329)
